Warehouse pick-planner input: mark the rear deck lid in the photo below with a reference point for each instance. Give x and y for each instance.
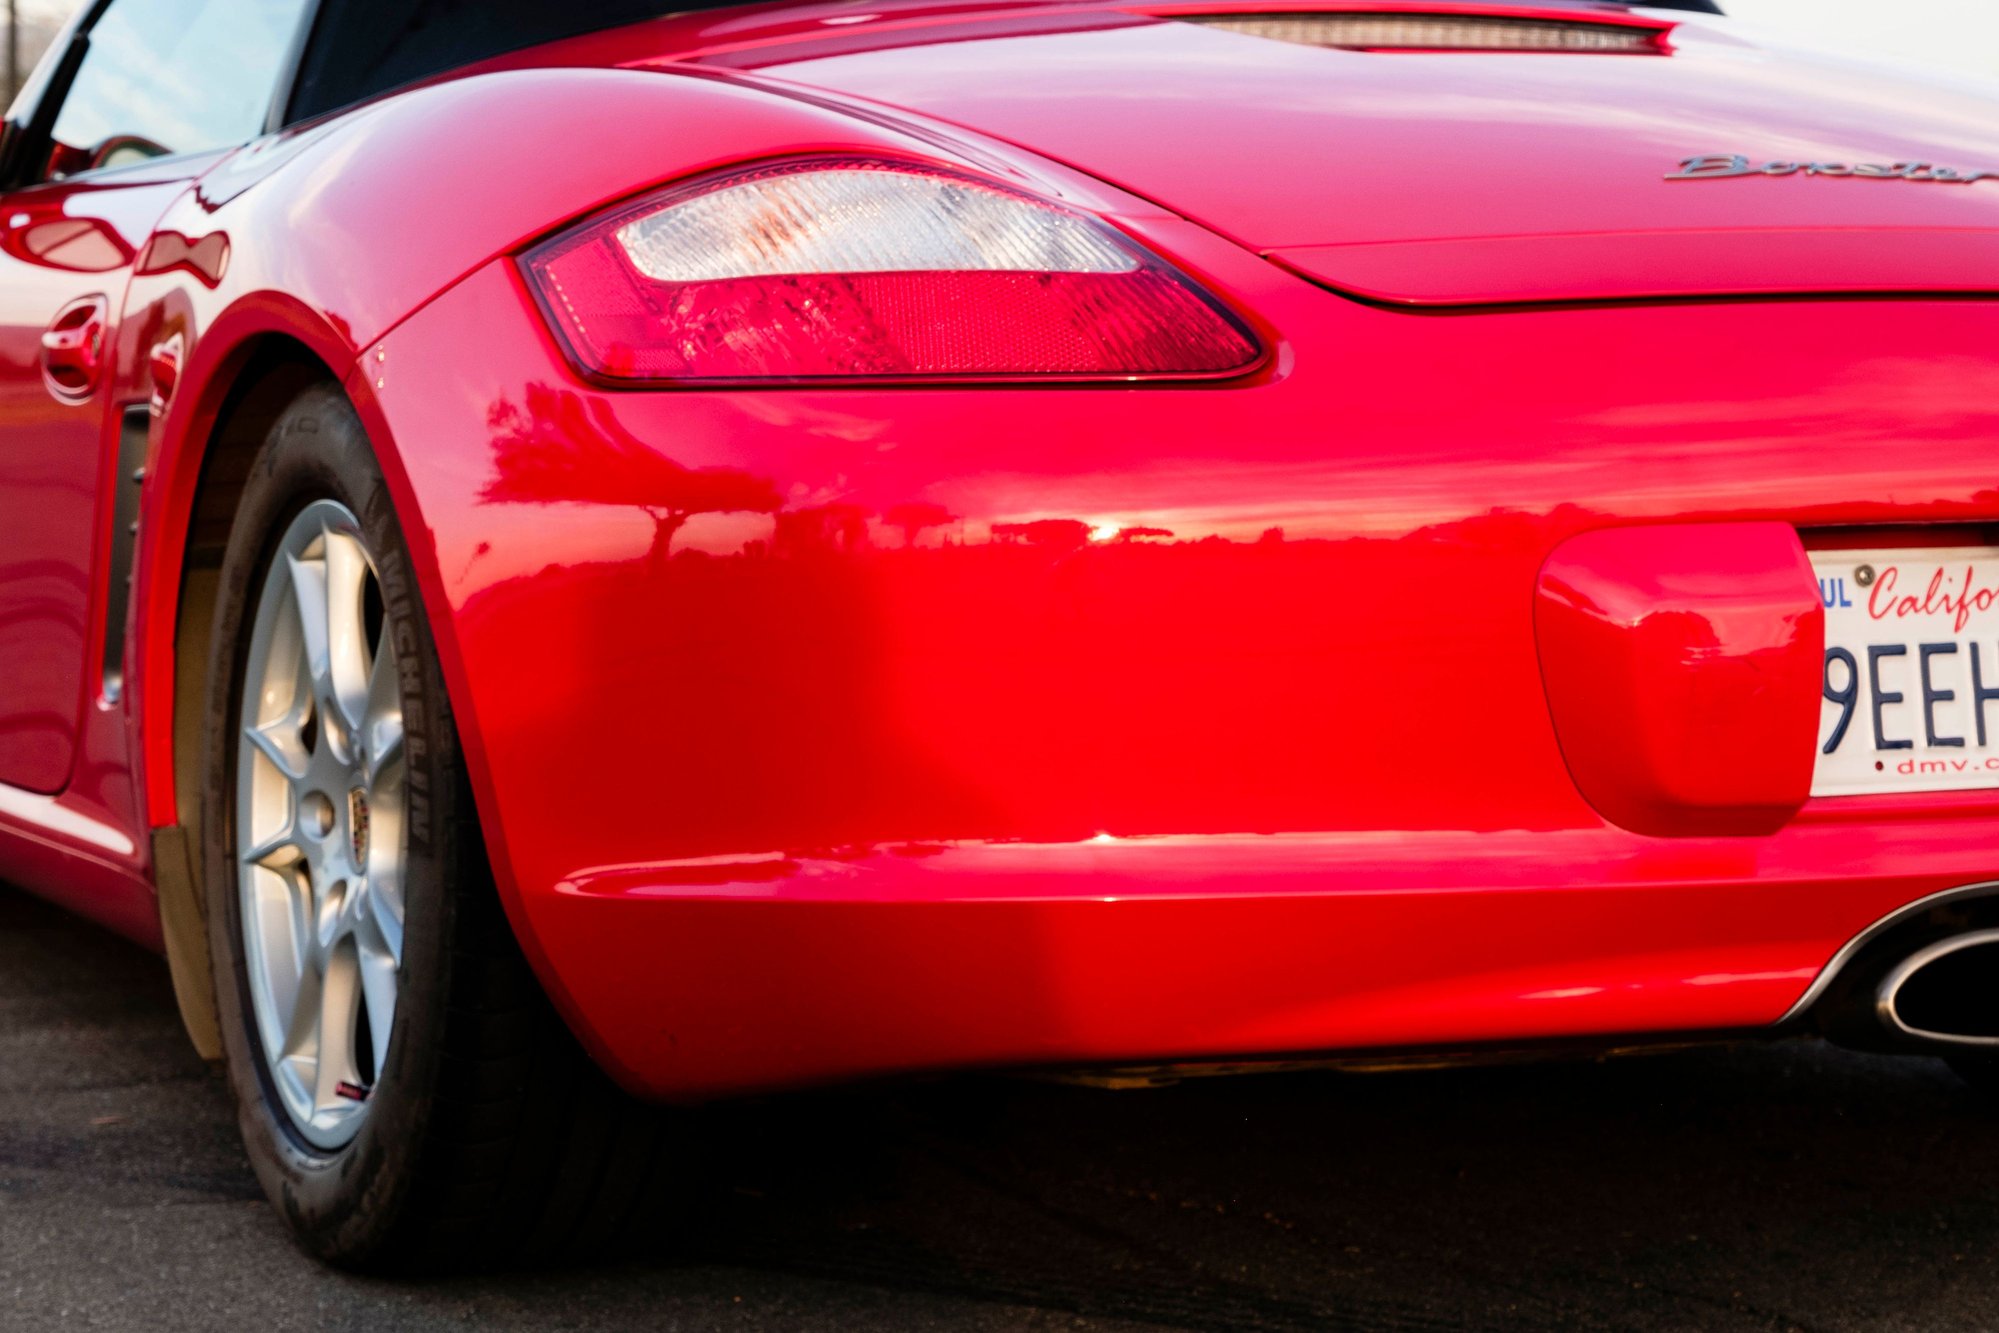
(1469, 176)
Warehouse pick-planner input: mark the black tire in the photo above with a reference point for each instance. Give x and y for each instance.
(1981, 1072)
(491, 1136)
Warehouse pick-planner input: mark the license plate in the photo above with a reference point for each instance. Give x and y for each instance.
(1911, 671)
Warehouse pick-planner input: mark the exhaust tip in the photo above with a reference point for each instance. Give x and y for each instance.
(1947, 992)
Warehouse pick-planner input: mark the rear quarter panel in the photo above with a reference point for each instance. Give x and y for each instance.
(333, 234)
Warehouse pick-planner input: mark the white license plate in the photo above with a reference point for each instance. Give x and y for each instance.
(1911, 683)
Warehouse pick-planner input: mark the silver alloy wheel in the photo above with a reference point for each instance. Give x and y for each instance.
(320, 799)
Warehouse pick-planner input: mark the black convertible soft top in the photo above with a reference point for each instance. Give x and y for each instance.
(360, 48)
(363, 47)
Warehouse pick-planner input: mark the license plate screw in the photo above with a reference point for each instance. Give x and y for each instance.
(1864, 576)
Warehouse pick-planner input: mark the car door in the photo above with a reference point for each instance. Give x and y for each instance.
(147, 96)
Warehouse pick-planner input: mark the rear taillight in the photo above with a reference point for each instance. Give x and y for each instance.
(861, 269)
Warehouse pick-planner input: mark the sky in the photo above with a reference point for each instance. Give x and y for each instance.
(1958, 38)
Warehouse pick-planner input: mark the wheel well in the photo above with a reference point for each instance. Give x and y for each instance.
(269, 375)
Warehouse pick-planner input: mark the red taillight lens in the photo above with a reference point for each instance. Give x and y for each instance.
(872, 270)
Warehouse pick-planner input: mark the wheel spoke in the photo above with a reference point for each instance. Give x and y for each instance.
(379, 985)
(339, 1010)
(346, 636)
(271, 852)
(384, 919)
(282, 944)
(382, 729)
(279, 743)
(309, 595)
(300, 1018)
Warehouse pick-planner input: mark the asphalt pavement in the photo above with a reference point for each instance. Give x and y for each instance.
(1753, 1187)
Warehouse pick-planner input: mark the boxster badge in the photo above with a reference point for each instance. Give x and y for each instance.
(1726, 166)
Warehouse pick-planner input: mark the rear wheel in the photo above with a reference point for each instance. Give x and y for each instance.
(408, 1096)
(1980, 1071)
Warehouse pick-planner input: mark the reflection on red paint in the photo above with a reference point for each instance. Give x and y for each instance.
(207, 258)
(559, 448)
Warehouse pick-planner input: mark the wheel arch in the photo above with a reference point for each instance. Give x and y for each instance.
(238, 404)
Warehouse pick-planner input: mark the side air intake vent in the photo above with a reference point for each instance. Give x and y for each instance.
(1444, 32)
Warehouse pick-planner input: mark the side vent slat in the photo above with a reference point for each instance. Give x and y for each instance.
(134, 428)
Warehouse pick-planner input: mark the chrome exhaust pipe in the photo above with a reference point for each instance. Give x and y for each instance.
(1945, 994)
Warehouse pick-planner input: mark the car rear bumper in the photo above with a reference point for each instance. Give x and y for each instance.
(1114, 725)
(738, 974)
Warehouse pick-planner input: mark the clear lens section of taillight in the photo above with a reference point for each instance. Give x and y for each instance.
(872, 270)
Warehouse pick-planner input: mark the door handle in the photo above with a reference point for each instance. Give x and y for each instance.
(73, 348)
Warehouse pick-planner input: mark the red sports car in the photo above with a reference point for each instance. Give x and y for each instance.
(562, 558)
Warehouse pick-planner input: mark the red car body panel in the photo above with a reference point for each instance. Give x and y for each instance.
(1683, 665)
(1286, 780)
(1109, 724)
(67, 246)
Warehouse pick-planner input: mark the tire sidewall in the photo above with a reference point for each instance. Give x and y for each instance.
(344, 1204)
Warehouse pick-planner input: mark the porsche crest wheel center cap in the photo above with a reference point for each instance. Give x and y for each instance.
(357, 826)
